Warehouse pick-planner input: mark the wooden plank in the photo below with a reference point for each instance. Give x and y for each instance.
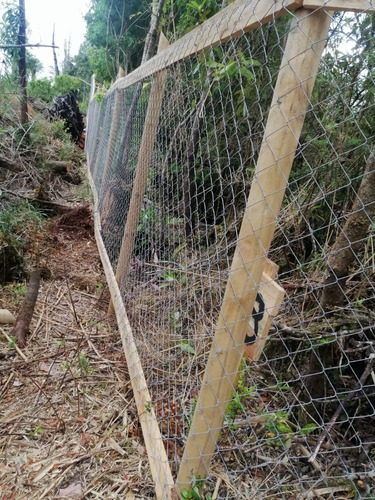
(239, 17)
(272, 295)
(161, 473)
(367, 6)
(142, 169)
(299, 67)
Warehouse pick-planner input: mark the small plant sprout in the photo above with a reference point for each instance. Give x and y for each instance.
(36, 432)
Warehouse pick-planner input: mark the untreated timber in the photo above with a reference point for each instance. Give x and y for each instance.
(239, 17)
(160, 470)
(295, 82)
(365, 6)
(143, 166)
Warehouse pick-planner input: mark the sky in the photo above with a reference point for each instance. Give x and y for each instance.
(69, 25)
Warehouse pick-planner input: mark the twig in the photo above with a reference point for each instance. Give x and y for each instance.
(71, 301)
(343, 405)
(16, 347)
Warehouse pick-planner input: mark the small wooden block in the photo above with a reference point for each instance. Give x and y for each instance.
(273, 295)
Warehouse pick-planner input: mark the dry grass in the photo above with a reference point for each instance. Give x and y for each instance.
(68, 423)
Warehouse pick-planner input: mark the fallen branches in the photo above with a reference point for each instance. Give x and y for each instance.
(10, 165)
(343, 405)
(24, 318)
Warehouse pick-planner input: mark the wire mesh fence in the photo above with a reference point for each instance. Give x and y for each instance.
(249, 292)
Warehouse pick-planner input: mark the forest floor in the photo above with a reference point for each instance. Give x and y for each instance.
(68, 422)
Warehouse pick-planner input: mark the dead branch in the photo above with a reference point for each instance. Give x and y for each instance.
(56, 206)
(27, 310)
(9, 165)
(344, 405)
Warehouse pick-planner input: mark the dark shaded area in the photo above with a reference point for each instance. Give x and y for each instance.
(66, 108)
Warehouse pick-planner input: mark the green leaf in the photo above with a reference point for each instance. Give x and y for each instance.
(185, 346)
(249, 75)
(308, 429)
(178, 249)
(283, 427)
(185, 494)
(195, 493)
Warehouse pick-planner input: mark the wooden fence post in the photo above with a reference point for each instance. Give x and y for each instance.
(293, 89)
(142, 169)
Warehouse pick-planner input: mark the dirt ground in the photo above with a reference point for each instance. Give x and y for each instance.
(68, 424)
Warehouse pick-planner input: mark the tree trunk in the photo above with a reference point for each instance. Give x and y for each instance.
(148, 52)
(351, 240)
(27, 310)
(22, 62)
(57, 71)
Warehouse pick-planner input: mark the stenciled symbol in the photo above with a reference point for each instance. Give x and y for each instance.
(257, 316)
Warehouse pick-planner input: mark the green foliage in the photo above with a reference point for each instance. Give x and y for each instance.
(115, 36)
(236, 405)
(12, 342)
(36, 432)
(195, 493)
(47, 89)
(187, 15)
(185, 346)
(16, 221)
(41, 89)
(9, 27)
(66, 83)
(148, 407)
(83, 363)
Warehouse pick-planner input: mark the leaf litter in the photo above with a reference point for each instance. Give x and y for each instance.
(68, 421)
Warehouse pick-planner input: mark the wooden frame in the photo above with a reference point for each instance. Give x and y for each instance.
(239, 17)
(366, 6)
(294, 86)
(299, 67)
(161, 472)
(142, 169)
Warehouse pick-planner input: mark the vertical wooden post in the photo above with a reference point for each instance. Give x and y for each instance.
(143, 166)
(119, 101)
(294, 86)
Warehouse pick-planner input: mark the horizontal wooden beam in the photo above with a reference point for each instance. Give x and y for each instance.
(239, 17)
(367, 6)
(160, 470)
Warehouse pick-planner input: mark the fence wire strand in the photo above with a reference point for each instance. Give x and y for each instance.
(310, 375)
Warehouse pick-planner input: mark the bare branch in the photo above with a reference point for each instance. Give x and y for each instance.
(28, 45)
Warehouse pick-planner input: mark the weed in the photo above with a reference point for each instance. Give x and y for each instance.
(12, 342)
(15, 221)
(185, 346)
(236, 404)
(83, 363)
(195, 493)
(36, 432)
(18, 289)
(148, 407)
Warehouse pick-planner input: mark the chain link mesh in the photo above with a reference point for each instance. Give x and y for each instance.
(315, 374)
